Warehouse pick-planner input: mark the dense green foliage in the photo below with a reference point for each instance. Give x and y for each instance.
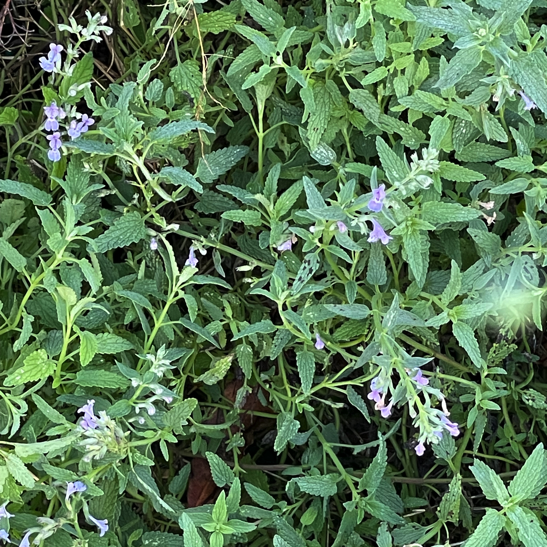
(273, 273)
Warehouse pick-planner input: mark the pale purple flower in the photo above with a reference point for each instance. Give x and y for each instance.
(419, 378)
(528, 103)
(55, 140)
(4, 536)
(52, 112)
(376, 392)
(451, 427)
(46, 64)
(54, 155)
(420, 448)
(89, 419)
(74, 130)
(4, 512)
(386, 411)
(54, 55)
(286, 246)
(86, 123)
(377, 201)
(55, 52)
(342, 228)
(153, 244)
(192, 260)
(102, 525)
(73, 487)
(319, 344)
(378, 234)
(25, 542)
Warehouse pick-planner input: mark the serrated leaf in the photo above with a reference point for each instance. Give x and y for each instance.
(487, 532)
(38, 197)
(127, 229)
(466, 337)
(88, 347)
(172, 130)
(262, 327)
(441, 212)
(213, 165)
(375, 471)
(520, 164)
(180, 177)
(101, 378)
(531, 477)
(247, 217)
(216, 22)
(357, 401)
(490, 482)
(287, 428)
(204, 333)
(267, 18)
(449, 508)
(259, 496)
(319, 485)
(12, 255)
(19, 472)
(524, 70)
(351, 311)
(394, 167)
(306, 369)
(108, 343)
(479, 152)
(457, 173)
(530, 531)
(222, 474)
(35, 367)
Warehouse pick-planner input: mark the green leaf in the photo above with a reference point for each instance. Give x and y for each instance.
(179, 414)
(38, 197)
(35, 367)
(375, 76)
(180, 177)
(166, 133)
(524, 70)
(490, 482)
(287, 428)
(375, 472)
(248, 217)
(26, 332)
(127, 229)
(531, 477)
(313, 196)
(262, 327)
(515, 186)
(88, 347)
(357, 401)
(320, 117)
(12, 255)
(48, 411)
(309, 266)
(479, 152)
(259, 496)
(244, 354)
(487, 532)
(395, 168)
(530, 531)
(19, 472)
(306, 369)
(191, 535)
(319, 485)
(416, 244)
(285, 202)
(204, 333)
(213, 165)
(267, 18)
(216, 22)
(351, 311)
(298, 322)
(101, 378)
(450, 504)
(454, 285)
(441, 212)
(457, 173)
(460, 65)
(394, 9)
(466, 337)
(91, 146)
(187, 77)
(108, 343)
(520, 164)
(8, 115)
(222, 474)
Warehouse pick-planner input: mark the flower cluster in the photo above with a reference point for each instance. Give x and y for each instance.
(431, 421)
(102, 432)
(78, 125)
